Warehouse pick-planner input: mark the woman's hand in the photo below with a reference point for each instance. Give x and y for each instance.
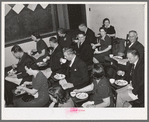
(120, 73)
(97, 52)
(20, 87)
(76, 90)
(90, 106)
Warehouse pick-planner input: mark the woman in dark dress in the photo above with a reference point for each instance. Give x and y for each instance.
(105, 47)
(39, 90)
(109, 28)
(41, 47)
(102, 94)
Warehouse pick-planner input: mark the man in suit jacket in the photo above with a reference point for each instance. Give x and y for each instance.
(84, 49)
(90, 35)
(56, 54)
(134, 43)
(77, 75)
(64, 39)
(134, 90)
(12, 81)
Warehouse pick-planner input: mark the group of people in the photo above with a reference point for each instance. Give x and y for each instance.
(80, 57)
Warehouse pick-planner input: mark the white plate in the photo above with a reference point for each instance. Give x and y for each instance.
(19, 92)
(87, 103)
(59, 76)
(82, 95)
(117, 57)
(121, 82)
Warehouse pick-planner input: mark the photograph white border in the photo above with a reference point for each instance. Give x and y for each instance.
(65, 113)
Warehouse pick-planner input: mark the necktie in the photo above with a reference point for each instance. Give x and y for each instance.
(132, 70)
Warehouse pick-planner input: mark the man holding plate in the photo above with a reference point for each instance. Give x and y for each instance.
(134, 90)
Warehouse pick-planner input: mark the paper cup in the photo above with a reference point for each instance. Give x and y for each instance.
(111, 55)
(112, 80)
(73, 94)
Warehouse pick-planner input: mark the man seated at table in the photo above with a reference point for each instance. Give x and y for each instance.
(64, 39)
(134, 90)
(134, 43)
(84, 49)
(90, 35)
(13, 80)
(77, 75)
(102, 94)
(54, 64)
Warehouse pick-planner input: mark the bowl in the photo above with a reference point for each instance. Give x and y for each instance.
(112, 80)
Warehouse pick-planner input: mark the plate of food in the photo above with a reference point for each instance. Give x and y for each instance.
(19, 92)
(82, 95)
(117, 57)
(41, 63)
(121, 82)
(59, 76)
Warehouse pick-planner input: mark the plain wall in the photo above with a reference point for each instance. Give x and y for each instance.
(124, 17)
(10, 59)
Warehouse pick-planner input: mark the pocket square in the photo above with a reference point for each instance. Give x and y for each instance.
(75, 69)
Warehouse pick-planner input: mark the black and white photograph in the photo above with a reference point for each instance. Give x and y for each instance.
(74, 60)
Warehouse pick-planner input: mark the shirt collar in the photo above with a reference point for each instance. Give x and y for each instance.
(135, 63)
(86, 30)
(72, 61)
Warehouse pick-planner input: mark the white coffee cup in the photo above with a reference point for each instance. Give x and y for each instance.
(73, 94)
(44, 60)
(62, 60)
(111, 55)
(112, 80)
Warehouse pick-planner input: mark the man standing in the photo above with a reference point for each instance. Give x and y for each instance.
(84, 49)
(90, 35)
(134, 90)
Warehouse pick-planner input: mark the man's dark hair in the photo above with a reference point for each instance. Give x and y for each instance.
(53, 39)
(62, 30)
(81, 32)
(16, 48)
(134, 52)
(36, 34)
(103, 29)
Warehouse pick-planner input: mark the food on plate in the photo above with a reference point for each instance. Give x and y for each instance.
(121, 82)
(73, 94)
(82, 95)
(59, 76)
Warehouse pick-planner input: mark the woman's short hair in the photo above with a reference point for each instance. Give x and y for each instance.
(98, 71)
(36, 34)
(59, 94)
(62, 31)
(105, 20)
(103, 29)
(16, 48)
(31, 65)
(53, 39)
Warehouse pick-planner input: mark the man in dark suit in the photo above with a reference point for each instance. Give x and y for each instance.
(134, 90)
(84, 49)
(64, 39)
(56, 54)
(90, 35)
(134, 43)
(77, 75)
(18, 78)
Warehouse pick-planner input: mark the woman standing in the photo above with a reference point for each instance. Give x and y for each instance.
(105, 46)
(109, 28)
(39, 90)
